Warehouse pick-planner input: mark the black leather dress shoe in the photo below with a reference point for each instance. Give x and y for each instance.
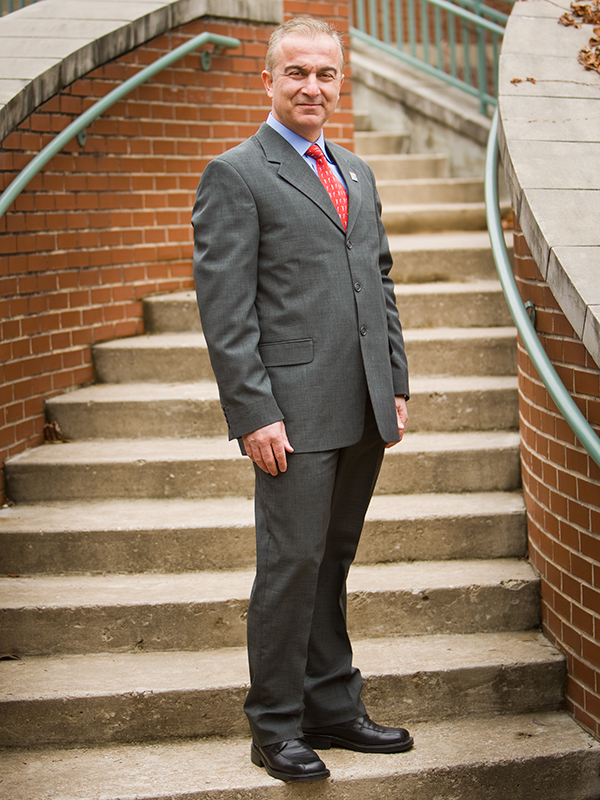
(292, 760)
(360, 734)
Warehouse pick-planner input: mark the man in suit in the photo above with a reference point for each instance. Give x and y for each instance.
(291, 266)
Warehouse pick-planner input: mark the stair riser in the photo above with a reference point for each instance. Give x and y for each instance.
(403, 471)
(417, 220)
(392, 699)
(432, 357)
(464, 310)
(368, 143)
(421, 266)
(173, 316)
(184, 550)
(426, 193)
(139, 419)
(124, 365)
(450, 471)
(447, 411)
(203, 626)
(477, 309)
(485, 356)
(405, 168)
(495, 409)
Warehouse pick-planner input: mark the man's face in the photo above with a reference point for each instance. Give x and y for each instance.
(305, 84)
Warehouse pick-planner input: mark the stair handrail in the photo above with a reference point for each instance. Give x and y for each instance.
(78, 126)
(8, 6)
(548, 375)
(474, 14)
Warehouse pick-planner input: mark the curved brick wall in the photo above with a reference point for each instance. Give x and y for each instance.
(562, 492)
(107, 223)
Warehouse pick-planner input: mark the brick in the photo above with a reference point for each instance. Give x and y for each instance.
(591, 599)
(582, 620)
(588, 492)
(571, 587)
(578, 514)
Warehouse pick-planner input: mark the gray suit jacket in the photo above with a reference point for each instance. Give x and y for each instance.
(299, 315)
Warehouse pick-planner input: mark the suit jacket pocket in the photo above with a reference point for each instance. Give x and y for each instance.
(286, 354)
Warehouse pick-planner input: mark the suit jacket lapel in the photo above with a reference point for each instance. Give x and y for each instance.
(296, 171)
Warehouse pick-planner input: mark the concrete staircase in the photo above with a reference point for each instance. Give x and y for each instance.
(129, 552)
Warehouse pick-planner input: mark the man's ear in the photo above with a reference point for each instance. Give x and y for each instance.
(267, 80)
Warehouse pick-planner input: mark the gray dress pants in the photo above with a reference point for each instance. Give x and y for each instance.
(308, 525)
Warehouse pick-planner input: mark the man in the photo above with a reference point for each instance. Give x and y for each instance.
(291, 267)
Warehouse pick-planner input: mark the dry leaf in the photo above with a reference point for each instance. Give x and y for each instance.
(517, 80)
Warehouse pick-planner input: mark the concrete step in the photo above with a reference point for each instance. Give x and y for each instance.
(446, 256)
(182, 410)
(462, 305)
(368, 143)
(434, 217)
(207, 610)
(138, 697)
(471, 403)
(167, 358)
(213, 467)
(139, 410)
(461, 351)
(181, 357)
(408, 166)
(174, 312)
(546, 754)
(478, 303)
(419, 191)
(123, 536)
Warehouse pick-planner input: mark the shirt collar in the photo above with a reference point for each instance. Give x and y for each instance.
(299, 144)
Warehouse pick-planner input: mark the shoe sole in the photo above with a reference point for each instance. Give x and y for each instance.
(258, 761)
(319, 742)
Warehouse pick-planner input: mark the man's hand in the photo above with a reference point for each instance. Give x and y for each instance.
(401, 416)
(268, 446)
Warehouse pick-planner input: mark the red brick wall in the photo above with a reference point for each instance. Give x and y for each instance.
(108, 223)
(562, 492)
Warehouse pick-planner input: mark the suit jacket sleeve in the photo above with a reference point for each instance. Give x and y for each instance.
(226, 244)
(396, 339)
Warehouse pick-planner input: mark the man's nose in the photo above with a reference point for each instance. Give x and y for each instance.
(311, 84)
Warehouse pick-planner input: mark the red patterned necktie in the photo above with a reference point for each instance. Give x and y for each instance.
(335, 189)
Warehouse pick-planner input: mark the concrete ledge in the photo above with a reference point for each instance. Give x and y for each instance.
(46, 46)
(549, 137)
(415, 89)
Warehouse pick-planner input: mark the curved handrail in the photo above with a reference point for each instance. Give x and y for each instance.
(565, 403)
(78, 125)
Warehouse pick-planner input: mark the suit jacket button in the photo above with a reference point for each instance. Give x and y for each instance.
(363, 331)
(349, 245)
(357, 287)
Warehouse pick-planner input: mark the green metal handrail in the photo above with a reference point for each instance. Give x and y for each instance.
(78, 126)
(8, 6)
(392, 26)
(556, 389)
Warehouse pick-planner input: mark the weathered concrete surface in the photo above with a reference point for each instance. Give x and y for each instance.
(65, 39)
(199, 611)
(545, 755)
(550, 146)
(189, 535)
(472, 461)
(150, 696)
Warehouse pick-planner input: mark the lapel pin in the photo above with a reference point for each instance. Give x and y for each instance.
(353, 176)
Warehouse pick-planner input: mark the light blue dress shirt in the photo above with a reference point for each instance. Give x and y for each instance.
(301, 145)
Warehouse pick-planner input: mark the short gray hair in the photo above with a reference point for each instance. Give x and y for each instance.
(303, 26)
